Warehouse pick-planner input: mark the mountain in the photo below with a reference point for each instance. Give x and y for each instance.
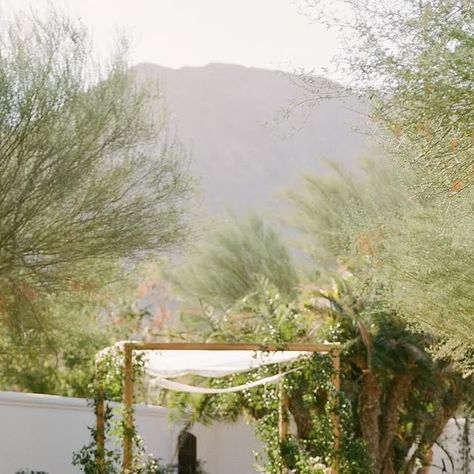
(244, 155)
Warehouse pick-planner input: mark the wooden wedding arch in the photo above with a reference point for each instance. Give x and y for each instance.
(128, 387)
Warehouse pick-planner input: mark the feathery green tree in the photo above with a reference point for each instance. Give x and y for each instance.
(371, 225)
(236, 255)
(86, 176)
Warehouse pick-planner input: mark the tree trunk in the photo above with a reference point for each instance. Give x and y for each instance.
(424, 449)
(388, 465)
(396, 399)
(369, 409)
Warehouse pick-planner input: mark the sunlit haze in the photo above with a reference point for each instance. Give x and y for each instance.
(175, 33)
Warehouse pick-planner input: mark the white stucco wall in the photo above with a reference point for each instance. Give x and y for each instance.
(40, 432)
(227, 448)
(450, 440)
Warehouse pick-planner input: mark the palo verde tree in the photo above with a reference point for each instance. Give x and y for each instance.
(89, 180)
(376, 224)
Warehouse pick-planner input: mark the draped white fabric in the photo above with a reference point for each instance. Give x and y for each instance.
(161, 365)
(171, 364)
(182, 387)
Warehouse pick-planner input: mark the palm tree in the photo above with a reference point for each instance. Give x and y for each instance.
(403, 397)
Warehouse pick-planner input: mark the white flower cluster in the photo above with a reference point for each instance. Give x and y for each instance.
(318, 463)
(318, 466)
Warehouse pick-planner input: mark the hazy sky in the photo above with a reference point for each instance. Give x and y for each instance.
(176, 33)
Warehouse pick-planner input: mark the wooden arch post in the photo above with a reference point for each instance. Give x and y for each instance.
(100, 419)
(336, 419)
(283, 419)
(128, 406)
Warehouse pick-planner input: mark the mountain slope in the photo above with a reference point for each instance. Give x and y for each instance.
(224, 115)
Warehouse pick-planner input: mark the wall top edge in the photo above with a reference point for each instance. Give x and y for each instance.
(57, 402)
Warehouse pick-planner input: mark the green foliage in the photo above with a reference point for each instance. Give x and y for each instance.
(60, 359)
(267, 317)
(86, 457)
(344, 217)
(107, 388)
(236, 255)
(389, 366)
(431, 266)
(90, 184)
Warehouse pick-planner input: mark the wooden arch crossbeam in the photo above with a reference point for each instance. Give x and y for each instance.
(128, 387)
